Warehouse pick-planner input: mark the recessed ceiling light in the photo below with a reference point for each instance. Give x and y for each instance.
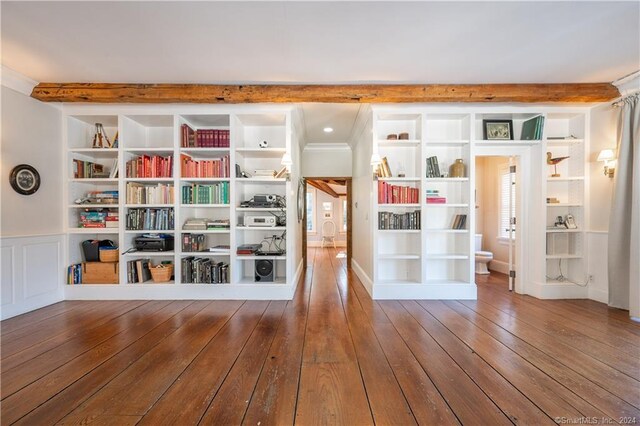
(328, 129)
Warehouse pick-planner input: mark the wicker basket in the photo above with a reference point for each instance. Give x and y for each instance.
(109, 254)
(161, 273)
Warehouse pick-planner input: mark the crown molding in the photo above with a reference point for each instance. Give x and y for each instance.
(16, 81)
(628, 84)
(339, 146)
(359, 125)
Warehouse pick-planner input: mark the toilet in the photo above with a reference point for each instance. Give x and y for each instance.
(482, 257)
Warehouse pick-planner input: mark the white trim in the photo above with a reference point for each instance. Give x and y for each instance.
(360, 124)
(597, 232)
(444, 291)
(362, 276)
(557, 291)
(628, 84)
(599, 295)
(296, 278)
(338, 146)
(314, 225)
(499, 266)
(16, 81)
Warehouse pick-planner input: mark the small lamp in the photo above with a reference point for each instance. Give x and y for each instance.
(287, 162)
(376, 160)
(609, 159)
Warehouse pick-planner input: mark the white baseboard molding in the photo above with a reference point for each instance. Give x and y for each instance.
(599, 295)
(499, 266)
(557, 291)
(362, 276)
(319, 243)
(296, 278)
(425, 291)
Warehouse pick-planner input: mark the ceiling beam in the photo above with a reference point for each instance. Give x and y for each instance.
(357, 93)
(323, 187)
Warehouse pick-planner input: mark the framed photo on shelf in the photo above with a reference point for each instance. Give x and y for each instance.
(497, 130)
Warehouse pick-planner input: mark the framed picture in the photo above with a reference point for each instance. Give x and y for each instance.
(497, 130)
(327, 206)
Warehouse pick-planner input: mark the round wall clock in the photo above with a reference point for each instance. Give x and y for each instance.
(24, 179)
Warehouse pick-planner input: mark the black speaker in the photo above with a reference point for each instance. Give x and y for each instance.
(264, 270)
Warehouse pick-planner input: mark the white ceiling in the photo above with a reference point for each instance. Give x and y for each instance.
(322, 42)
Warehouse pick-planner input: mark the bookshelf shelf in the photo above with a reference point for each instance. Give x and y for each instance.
(257, 209)
(399, 256)
(261, 180)
(210, 206)
(93, 180)
(95, 152)
(446, 205)
(399, 179)
(565, 179)
(563, 142)
(204, 179)
(154, 150)
(445, 142)
(483, 142)
(149, 231)
(392, 205)
(446, 256)
(252, 257)
(261, 152)
(206, 231)
(206, 253)
(93, 230)
(144, 254)
(447, 180)
(260, 228)
(404, 143)
(446, 231)
(93, 206)
(151, 180)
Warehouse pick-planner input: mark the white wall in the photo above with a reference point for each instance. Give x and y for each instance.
(323, 197)
(362, 186)
(31, 134)
(31, 226)
(327, 160)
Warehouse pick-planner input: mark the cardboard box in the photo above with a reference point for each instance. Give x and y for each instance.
(100, 273)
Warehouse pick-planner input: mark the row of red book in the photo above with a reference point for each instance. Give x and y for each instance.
(395, 194)
(147, 166)
(219, 168)
(204, 138)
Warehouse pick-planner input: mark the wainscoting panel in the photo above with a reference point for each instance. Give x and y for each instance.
(32, 273)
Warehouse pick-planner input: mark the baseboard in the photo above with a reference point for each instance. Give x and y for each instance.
(425, 292)
(599, 295)
(557, 291)
(319, 243)
(362, 276)
(499, 266)
(296, 277)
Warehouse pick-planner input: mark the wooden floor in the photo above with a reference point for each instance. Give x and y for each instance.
(330, 356)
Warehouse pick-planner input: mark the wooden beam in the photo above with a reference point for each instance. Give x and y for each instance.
(323, 187)
(357, 93)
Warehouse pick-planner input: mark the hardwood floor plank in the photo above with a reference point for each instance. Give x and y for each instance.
(196, 386)
(137, 388)
(470, 404)
(62, 403)
(31, 370)
(232, 400)
(610, 379)
(331, 388)
(603, 400)
(591, 306)
(617, 354)
(46, 336)
(146, 318)
(31, 318)
(522, 378)
(388, 403)
(274, 399)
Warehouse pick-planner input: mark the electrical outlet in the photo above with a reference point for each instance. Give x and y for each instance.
(590, 278)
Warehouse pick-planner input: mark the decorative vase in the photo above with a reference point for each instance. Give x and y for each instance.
(457, 169)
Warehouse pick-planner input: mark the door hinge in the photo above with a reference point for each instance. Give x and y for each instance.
(513, 221)
(512, 169)
(512, 274)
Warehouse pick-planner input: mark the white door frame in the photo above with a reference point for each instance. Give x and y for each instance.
(524, 207)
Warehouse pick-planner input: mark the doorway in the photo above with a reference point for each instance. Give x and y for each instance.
(327, 215)
(497, 214)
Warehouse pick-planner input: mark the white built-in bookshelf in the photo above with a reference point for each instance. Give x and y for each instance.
(438, 260)
(158, 134)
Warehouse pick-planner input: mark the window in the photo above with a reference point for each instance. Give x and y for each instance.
(311, 211)
(506, 213)
(343, 216)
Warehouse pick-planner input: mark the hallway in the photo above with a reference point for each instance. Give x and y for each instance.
(330, 356)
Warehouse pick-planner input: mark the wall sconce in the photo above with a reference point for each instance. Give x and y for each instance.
(287, 162)
(609, 159)
(376, 160)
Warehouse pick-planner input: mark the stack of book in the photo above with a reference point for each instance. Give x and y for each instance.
(98, 218)
(394, 194)
(138, 193)
(140, 219)
(193, 242)
(74, 274)
(532, 129)
(88, 170)
(217, 193)
(219, 168)
(433, 197)
(433, 168)
(221, 248)
(100, 197)
(204, 138)
(459, 222)
(146, 166)
(389, 220)
(265, 173)
(383, 169)
(248, 248)
(197, 224)
(200, 270)
(138, 271)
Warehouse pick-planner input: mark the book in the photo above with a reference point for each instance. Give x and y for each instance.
(386, 170)
(220, 248)
(532, 128)
(248, 248)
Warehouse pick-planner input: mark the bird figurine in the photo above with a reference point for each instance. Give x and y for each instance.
(554, 162)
